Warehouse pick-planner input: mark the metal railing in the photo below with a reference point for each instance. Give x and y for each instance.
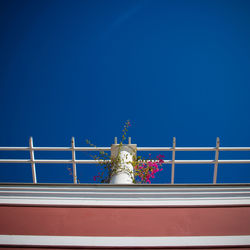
(74, 161)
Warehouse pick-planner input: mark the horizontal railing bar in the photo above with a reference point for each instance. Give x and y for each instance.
(70, 149)
(234, 161)
(55, 148)
(50, 161)
(101, 161)
(91, 161)
(176, 149)
(15, 161)
(138, 149)
(154, 149)
(52, 148)
(193, 149)
(208, 161)
(193, 161)
(14, 149)
(234, 149)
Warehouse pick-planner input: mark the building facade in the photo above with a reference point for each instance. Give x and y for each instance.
(36, 216)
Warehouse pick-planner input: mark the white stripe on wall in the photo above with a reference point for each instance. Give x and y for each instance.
(81, 241)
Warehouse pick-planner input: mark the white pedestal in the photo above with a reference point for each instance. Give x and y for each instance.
(124, 173)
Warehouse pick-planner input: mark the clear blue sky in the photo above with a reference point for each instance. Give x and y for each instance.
(82, 68)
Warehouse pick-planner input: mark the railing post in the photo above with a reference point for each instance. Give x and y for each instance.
(32, 160)
(216, 160)
(129, 140)
(74, 159)
(173, 160)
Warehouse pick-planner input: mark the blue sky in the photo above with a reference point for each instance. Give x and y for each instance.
(82, 68)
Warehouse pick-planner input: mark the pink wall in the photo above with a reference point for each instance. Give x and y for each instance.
(122, 221)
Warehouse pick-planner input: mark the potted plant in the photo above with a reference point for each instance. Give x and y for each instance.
(123, 166)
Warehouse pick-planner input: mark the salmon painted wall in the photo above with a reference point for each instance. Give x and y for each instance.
(124, 221)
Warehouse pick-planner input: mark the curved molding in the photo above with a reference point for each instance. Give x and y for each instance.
(125, 195)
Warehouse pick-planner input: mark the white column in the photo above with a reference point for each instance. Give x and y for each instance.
(124, 173)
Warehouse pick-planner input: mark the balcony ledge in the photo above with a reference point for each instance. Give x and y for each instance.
(156, 195)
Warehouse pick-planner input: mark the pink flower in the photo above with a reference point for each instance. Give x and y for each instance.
(159, 157)
(155, 165)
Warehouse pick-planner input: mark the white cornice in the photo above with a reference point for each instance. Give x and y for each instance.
(124, 195)
(81, 241)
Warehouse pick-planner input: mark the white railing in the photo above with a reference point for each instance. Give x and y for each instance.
(74, 161)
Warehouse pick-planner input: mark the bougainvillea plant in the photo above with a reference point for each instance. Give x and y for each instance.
(144, 169)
